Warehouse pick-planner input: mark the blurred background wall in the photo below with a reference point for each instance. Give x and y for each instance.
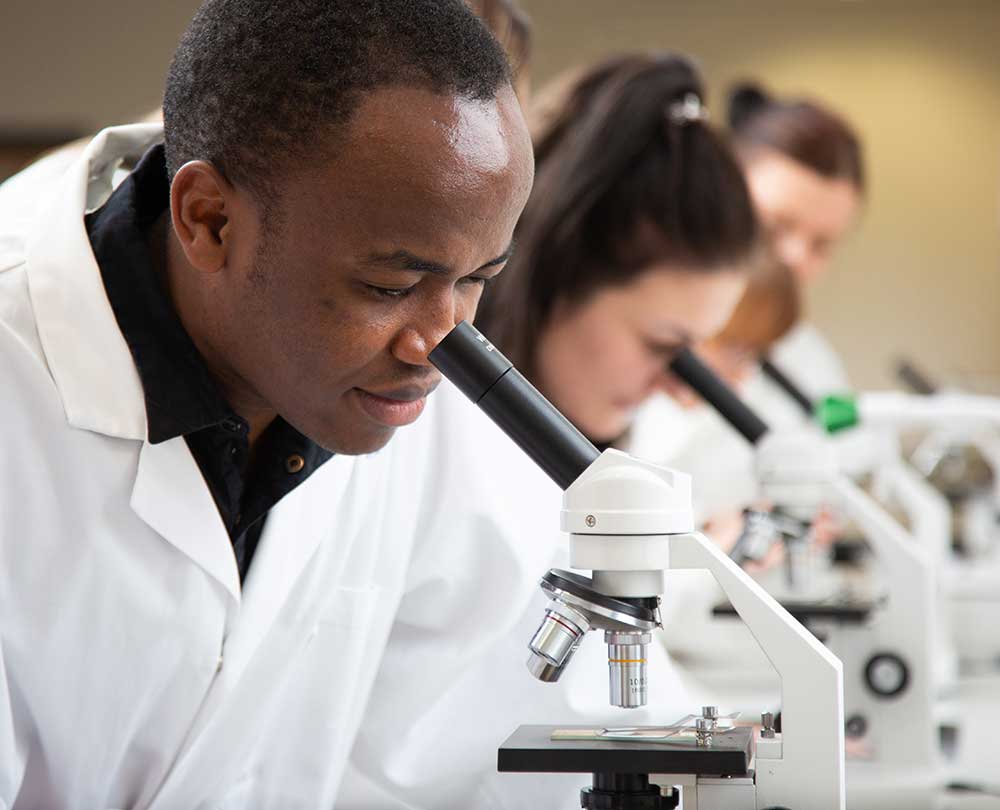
(919, 78)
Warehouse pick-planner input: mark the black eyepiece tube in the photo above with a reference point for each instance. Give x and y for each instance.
(779, 378)
(716, 393)
(914, 378)
(490, 380)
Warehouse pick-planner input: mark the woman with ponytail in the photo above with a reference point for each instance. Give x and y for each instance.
(636, 241)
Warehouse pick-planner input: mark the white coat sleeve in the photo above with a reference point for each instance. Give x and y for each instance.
(12, 750)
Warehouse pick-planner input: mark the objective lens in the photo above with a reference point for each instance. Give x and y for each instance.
(627, 668)
(555, 641)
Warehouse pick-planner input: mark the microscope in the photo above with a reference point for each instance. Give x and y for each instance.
(955, 468)
(888, 647)
(629, 521)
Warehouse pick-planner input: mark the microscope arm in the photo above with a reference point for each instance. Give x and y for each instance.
(893, 546)
(927, 510)
(914, 411)
(971, 418)
(812, 680)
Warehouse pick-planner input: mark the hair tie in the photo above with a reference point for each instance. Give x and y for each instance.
(688, 110)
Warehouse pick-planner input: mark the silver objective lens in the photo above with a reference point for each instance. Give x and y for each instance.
(555, 641)
(627, 668)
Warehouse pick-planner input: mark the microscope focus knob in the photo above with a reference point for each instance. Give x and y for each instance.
(886, 674)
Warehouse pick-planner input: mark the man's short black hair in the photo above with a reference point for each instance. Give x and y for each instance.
(256, 84)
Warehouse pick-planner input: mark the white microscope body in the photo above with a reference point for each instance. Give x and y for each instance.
(629, 521)
(889, 661)
(969, 585)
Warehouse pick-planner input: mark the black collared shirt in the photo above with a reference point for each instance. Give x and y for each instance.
(182, 398)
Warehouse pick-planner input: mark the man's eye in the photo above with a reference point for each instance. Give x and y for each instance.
(389, 292)
(480, 281)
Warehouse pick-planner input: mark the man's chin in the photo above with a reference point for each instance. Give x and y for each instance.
(359, 442)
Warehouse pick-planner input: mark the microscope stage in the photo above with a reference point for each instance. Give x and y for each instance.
(531, 749)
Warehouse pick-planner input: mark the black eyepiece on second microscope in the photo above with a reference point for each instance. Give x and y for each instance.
(490, 380)
(784, 382)
(914, 378)
(689, 368)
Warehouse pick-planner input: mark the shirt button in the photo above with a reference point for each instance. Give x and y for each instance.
(294, 463)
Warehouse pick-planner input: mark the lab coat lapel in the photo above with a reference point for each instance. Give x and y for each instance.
(170, 495)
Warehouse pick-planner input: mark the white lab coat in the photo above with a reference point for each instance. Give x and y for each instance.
(20, 194)
(134, 672)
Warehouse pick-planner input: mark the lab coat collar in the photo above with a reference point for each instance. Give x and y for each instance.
(84, 348)
(92, 366)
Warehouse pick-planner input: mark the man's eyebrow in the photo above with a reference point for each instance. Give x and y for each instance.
(404, 260)
(678, 334)
(501, 258)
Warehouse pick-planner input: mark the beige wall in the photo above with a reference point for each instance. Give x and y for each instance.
(922, 82)
(920, 77)
(76, 66)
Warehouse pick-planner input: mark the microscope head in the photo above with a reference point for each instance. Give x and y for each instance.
(795, 468)
(620, 513)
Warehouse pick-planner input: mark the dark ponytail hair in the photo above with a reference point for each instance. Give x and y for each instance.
(804, 131)
(623, 180)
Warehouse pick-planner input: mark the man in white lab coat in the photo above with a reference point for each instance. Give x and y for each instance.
(197, 571)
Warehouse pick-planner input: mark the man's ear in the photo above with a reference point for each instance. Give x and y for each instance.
(200, 205)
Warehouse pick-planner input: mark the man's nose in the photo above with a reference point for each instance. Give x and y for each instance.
(794, 252)
(428, 327)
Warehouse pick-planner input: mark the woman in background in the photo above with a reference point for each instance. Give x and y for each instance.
(636, 241)
(805, 169)
(718, 458)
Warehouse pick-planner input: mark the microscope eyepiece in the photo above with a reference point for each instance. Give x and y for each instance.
(785, 383)
(470, 361)
(490, 380)
(689, 368)
(915, 379)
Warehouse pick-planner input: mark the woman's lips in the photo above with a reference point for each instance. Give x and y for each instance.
(391, 412)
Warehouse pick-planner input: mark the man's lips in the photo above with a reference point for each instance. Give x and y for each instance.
(396, 407)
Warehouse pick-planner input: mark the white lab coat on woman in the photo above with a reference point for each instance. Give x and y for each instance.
(134, 670)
